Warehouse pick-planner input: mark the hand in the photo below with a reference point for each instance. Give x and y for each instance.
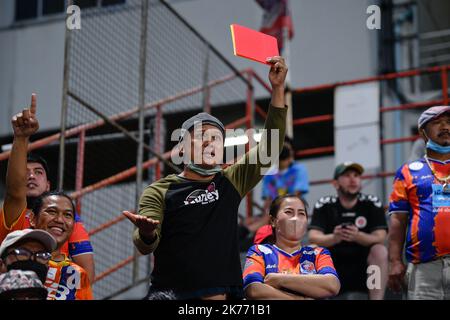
(145, 225)
(350, 233)
(25, 124)
(397, 270)
(278, 71)
(273, 280)
(338, 234)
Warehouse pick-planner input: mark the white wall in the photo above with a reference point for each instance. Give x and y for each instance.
(32, 60)
(331, 41)
(6, 13)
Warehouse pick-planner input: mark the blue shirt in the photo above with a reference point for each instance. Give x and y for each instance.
(291, 180)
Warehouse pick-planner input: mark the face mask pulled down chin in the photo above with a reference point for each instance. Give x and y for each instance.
(292, 229)
(204, 172)
(30, 265)
(437, 147)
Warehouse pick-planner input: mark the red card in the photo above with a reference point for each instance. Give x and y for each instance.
(254, 45)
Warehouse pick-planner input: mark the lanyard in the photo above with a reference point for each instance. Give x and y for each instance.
(446, 186)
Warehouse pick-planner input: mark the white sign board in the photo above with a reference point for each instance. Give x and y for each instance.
(358, 144)
(357, 104)
(357, 132)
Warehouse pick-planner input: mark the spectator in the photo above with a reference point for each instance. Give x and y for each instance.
(187, 219)
(34, 182)
(419, 211)
(21, 285)
(27, 250)
(289, 178)
(353, 227)
(283, 269)
(54, 212)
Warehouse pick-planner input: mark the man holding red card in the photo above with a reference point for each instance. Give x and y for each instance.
(189, 221)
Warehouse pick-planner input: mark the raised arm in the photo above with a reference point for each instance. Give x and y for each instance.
(246, 173)
(277, 77)
(24, 125)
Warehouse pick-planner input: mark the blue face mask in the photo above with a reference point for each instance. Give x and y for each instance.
(437, 147)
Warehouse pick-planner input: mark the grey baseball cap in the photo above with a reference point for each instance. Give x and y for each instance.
(202, 118)
(31, 234)
(430, 114)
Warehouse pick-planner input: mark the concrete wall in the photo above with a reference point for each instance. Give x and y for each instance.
(6, 13)
(331, 43)
(31, 60)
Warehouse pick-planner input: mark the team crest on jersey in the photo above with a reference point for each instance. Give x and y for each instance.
(208, 195)
(264, 249)
(317, 251)
(307, 267)
(361, 222)
(415, 166)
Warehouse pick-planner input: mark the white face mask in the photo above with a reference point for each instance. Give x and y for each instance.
(292, 229)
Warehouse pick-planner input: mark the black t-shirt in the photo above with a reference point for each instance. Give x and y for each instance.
(349, 257)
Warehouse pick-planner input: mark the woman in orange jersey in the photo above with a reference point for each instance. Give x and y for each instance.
(283, 269)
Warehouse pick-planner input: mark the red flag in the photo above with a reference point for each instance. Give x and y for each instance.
(277, 16)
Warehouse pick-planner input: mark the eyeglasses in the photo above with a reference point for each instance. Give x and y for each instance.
(23, 254)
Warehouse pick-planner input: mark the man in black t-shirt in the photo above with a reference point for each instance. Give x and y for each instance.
(353, 226)
(189, 221)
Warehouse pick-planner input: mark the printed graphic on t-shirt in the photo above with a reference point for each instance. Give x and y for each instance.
(441, 198)
(61, 290)
(209, 195)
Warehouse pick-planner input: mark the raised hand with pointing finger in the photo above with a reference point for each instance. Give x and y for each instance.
(25, 123)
